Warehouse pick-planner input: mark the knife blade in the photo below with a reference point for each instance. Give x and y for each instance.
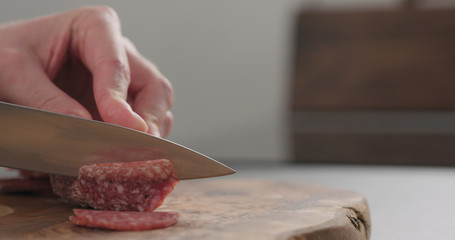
(48, 142)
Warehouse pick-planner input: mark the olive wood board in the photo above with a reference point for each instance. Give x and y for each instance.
(210, 209)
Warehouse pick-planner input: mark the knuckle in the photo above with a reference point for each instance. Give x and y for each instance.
(116, 64)
(167, 123)
(107, 10)
(168, 91)
(100, 10)
(100, 14)
(169, 118)
(121, 70)
(119, 67)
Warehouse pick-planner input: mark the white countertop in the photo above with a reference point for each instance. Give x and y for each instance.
(405, 202)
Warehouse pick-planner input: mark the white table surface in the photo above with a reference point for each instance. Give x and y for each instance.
(405, 202)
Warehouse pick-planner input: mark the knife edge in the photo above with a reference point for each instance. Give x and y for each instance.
(43, 141)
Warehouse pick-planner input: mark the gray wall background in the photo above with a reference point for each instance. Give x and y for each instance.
(227, 60)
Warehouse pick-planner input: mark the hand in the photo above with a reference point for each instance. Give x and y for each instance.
(78, 63)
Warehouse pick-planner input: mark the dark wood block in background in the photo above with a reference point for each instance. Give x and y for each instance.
(402, 149)
(398, 60)
(375, 60)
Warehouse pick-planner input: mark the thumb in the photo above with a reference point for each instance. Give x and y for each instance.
(30, 86)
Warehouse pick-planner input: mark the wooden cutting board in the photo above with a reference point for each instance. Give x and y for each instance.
(211, 209)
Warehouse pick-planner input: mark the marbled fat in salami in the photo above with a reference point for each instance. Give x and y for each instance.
(131, 186)
(125, 221)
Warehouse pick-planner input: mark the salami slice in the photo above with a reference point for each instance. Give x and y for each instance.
(123, 221)
(131, 186)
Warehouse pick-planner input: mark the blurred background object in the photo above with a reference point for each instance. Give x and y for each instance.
(231, 63)
(375, 85)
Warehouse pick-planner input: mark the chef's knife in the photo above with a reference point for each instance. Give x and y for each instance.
(42, 141)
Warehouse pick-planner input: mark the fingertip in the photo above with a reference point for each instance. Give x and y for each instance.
(153, 129)
(165, 124)
(80, 113)
(139, 123)
(118, 111)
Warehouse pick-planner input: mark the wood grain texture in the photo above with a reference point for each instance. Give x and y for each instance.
(5, 210)
(215, 209)
(375, 60)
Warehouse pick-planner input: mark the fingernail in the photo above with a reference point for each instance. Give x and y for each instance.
(140, 124)
(153, 129)
(133, 121)
(79, 115)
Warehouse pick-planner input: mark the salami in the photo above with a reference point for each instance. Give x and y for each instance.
(124, 221)
(131, 186)
(128, 191)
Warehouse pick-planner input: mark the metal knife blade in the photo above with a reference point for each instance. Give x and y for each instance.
(43, 141)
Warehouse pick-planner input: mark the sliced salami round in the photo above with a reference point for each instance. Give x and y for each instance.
(123, 221)
(130, 186)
